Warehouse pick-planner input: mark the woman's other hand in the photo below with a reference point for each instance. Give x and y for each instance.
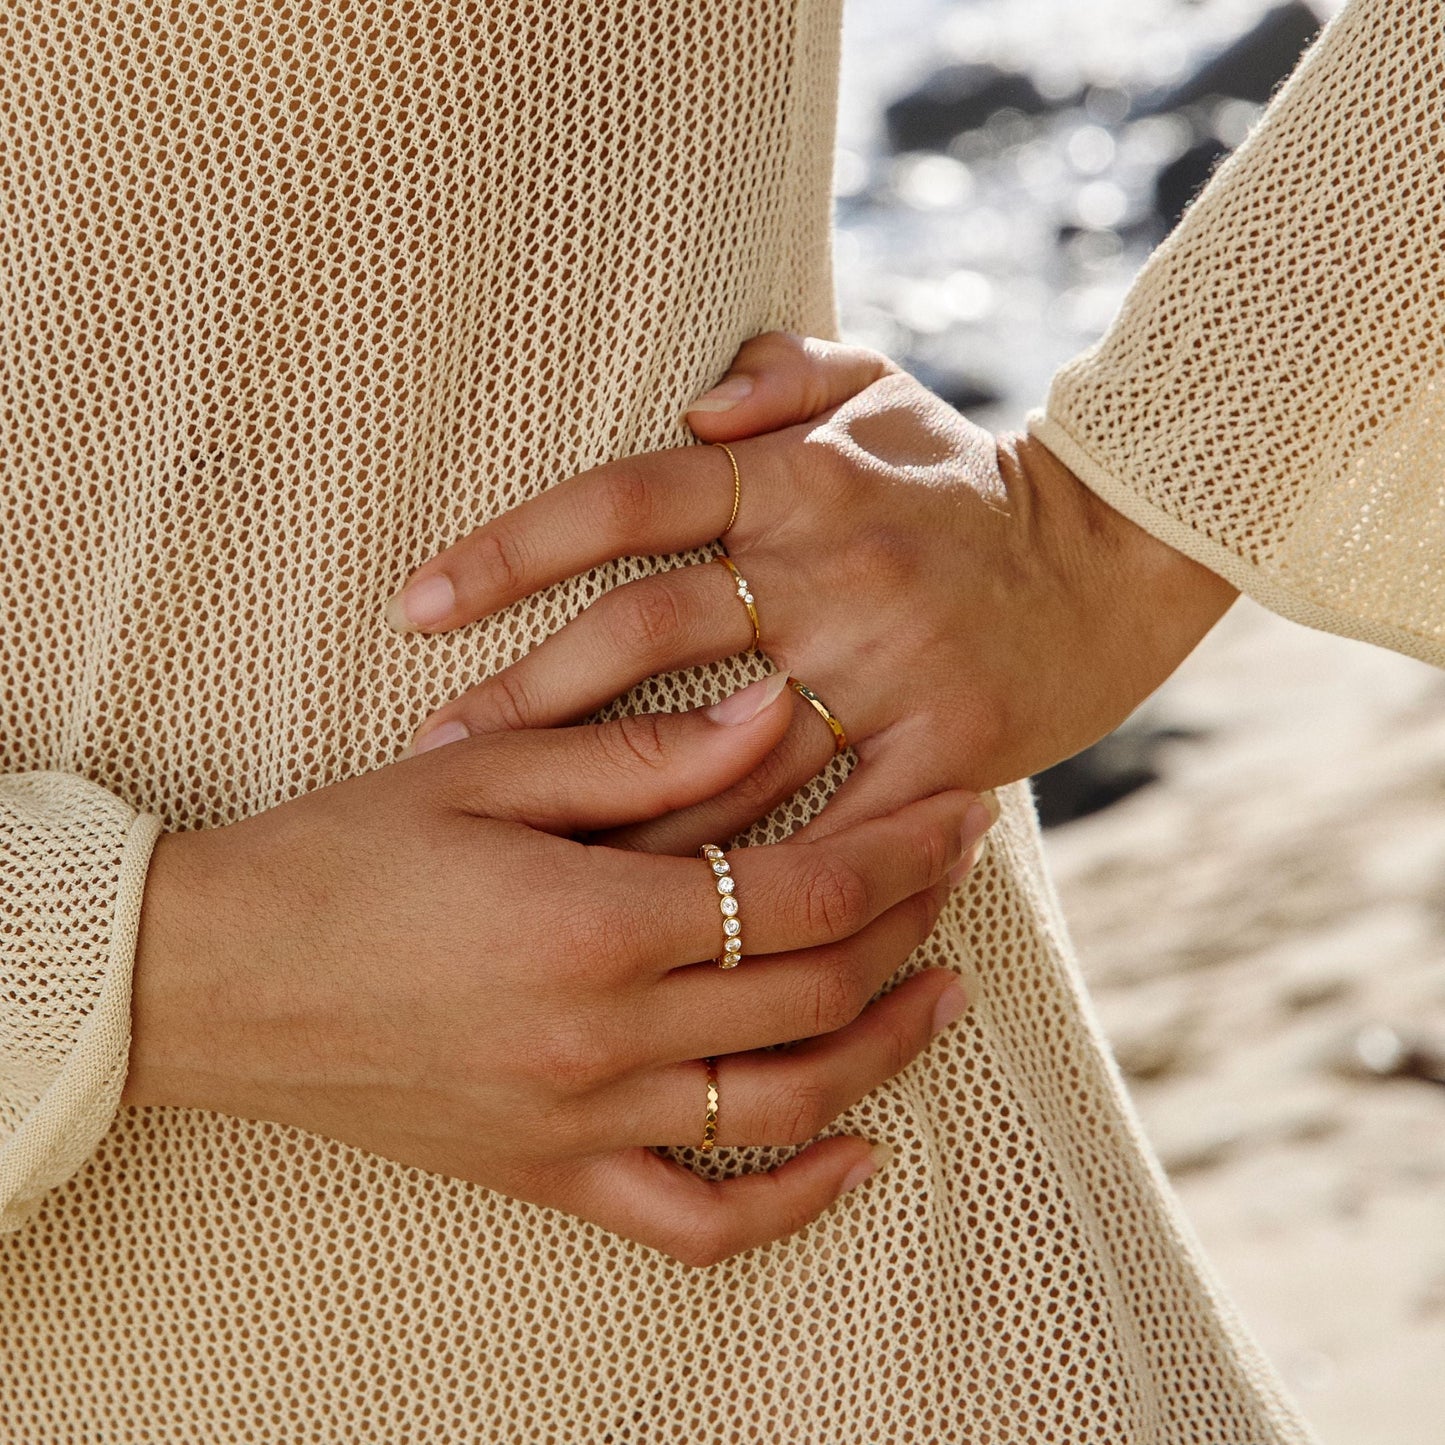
(420, 962)
(964, 605)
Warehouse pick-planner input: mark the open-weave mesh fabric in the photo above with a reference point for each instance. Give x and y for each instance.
(1270, 398)
(295, 292)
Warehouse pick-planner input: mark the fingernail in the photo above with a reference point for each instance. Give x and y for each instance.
(967, 863)
(878, 1156)
(423, 604)
(747, 704)
(952, 1004)
(439, 736)
(981, 816)
(724, 396)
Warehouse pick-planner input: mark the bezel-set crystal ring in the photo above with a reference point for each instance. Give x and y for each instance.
(745, 596)
(732, 949)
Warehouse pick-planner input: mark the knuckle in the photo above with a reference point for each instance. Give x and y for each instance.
(649, 621)
(797, 1111)
(834, 999)
(635, 741)
(571, 1058)
(775, 778)
(498, 556)
(509, 700)
(834, 899)
(700, 1242)
(625, 502)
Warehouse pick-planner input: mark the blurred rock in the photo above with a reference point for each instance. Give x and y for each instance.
(1253, 66)
(959, 98)
(1382, 1051)
(962, 390)
(1100, 776)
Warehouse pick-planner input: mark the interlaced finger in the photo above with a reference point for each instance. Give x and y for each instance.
(783, 997)
(789, 1096)
(806, 749)
(701, 1222)
(648, 505)
(790, 895)
(657, 624)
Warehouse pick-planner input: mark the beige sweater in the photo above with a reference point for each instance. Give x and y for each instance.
(293, 294)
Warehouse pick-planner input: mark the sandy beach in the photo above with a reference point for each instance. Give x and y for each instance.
(1264, 934)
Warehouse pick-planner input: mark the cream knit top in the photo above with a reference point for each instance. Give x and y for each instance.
(294, 292)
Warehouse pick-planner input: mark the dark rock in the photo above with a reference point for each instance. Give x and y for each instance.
(1253, 66)
(1183, 179)
(955, 99)
(1102, 775)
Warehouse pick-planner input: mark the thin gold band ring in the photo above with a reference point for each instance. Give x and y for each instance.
(709, 1123)
(840, 738)
(737, 488)
(745, 596)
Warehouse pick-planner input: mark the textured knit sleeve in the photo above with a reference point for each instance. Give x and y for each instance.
(1270, 399)
(73, 860)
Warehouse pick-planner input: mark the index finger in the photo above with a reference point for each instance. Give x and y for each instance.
(652, 504)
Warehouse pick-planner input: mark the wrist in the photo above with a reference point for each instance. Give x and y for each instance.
(172, 1006)
(1155, 603)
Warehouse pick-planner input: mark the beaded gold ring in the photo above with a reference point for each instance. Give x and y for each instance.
(745, 596)
(732, 951)
(709, 1123)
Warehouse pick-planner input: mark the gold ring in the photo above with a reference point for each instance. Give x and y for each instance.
(732, 953)
(709, 1123)
(745, 596)
(737, 488)
(840, 738)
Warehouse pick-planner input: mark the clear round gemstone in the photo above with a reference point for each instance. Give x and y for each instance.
(726, 885)
(730, 961)
(728, 905)
(748, 598)
(721, 867)
(732, 927)
(733, 945)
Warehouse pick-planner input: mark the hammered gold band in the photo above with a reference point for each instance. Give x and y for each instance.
(737, 488)
(745, 596)
(732, 950)
(709, 1123)
(840, 738)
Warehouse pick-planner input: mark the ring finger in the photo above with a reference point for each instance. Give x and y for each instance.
(787, 1097)
(784, 997)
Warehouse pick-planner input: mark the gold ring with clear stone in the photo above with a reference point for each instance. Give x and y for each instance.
(722, 872)
(745, 596)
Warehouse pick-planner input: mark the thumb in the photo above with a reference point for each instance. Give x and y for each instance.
(580, 779)
(779, 380)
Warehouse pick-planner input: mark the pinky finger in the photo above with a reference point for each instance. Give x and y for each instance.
(701, 1222)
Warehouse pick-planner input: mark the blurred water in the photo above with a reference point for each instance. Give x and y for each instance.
(984, 266)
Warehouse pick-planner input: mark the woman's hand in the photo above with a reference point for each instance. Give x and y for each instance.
(419, 962)
(968, 610)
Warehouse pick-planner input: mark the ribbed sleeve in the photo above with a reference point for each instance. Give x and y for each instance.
(1268, 400)
(73, 860)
